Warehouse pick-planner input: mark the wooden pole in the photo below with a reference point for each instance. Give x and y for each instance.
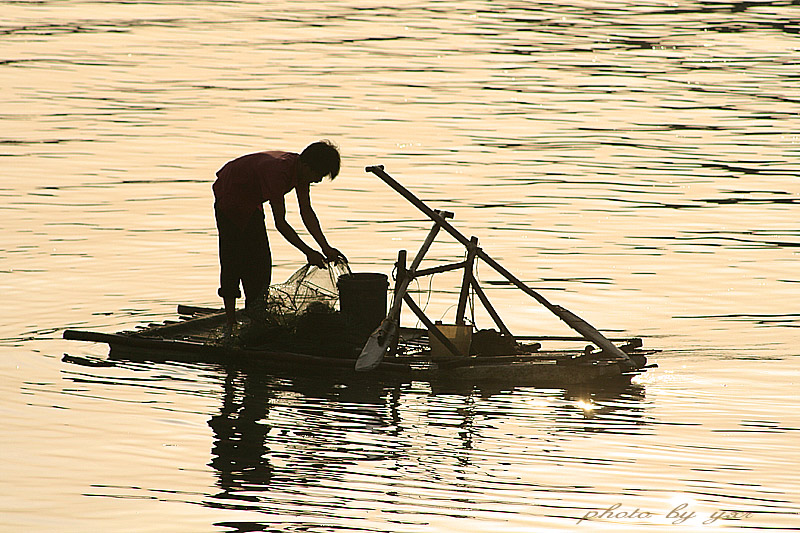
(440, 269)
(466, 282)
(489, 308)
(401, 275)
(402, 287)
(432, 329)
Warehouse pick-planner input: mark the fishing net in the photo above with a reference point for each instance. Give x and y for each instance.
(309, 286)
(302, 315)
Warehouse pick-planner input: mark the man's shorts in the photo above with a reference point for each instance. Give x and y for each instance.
(244, 256)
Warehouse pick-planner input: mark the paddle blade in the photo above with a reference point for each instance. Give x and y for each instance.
(376, 346)
(591, 333)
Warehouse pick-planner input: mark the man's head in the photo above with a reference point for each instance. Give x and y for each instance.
(321, 159)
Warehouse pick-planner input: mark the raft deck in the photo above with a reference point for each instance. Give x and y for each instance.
(196, 337)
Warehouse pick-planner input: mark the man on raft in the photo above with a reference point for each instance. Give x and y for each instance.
(241, 188)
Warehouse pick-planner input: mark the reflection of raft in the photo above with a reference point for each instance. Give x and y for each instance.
(195, 339)
(319, 337)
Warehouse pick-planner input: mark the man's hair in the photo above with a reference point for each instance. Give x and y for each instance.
(323, 157)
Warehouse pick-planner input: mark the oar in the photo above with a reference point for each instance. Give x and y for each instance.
(571, 319)
(384, 336)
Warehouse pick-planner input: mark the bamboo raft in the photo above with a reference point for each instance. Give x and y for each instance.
(194, 338)
(494, 354)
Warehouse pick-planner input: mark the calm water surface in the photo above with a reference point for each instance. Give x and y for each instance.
(636, 162)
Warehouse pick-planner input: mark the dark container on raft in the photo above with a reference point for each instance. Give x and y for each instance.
(362, 300)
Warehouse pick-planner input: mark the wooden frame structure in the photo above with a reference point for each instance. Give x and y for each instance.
(469, 283)
(474, 252)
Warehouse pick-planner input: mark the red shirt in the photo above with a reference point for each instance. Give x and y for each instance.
(244, 184)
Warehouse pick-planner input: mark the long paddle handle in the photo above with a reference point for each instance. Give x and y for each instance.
(572, 320)
(433, 215)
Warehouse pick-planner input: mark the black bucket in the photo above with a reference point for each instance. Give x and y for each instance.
(362, 300)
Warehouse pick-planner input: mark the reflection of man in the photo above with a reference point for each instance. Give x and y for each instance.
(240, 455)
(308, 443)
(241, 188)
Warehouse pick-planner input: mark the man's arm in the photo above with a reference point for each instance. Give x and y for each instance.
(311, 223)
(284, 228)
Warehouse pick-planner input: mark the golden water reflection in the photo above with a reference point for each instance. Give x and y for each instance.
(317, 447)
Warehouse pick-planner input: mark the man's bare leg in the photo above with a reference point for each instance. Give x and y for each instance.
(230, 315)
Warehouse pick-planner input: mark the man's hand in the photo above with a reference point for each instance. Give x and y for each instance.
(316, 259)
(332, 254)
